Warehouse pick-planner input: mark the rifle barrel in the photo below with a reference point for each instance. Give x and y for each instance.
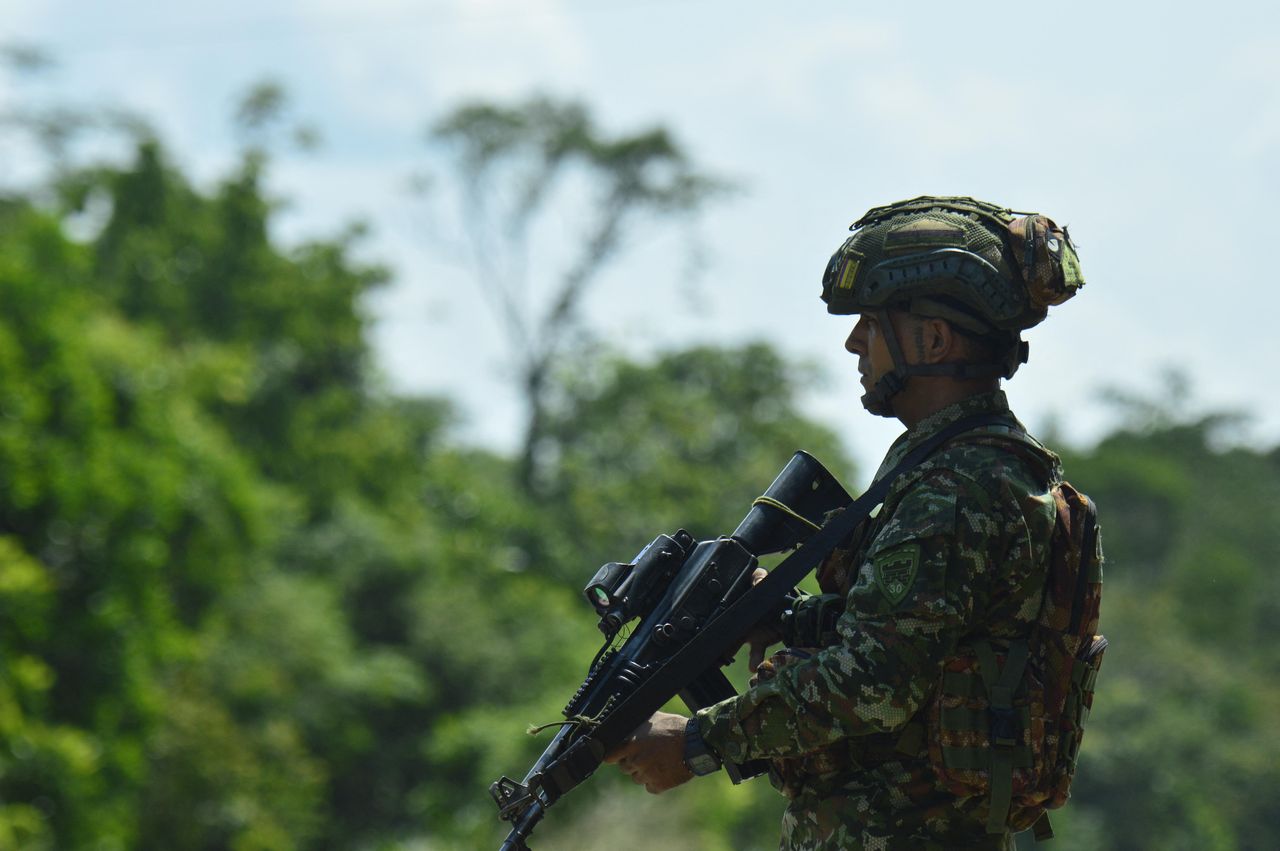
(516, 838)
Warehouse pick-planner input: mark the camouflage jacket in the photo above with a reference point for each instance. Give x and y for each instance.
(959, 548)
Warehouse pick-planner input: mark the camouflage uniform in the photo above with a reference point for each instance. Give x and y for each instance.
(958, 549)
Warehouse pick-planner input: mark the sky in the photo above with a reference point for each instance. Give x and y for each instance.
(1152, 130)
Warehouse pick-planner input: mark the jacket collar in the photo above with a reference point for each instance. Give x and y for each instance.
(994, 402)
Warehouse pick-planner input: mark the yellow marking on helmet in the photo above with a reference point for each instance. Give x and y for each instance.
(849, 271)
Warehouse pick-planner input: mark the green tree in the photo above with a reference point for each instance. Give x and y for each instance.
(517, 167)
(187, 406)
(686, 441)
(135, 504)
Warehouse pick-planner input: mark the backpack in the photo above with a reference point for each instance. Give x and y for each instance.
(1006, 722)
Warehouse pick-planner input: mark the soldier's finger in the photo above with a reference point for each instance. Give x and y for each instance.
(756, 657)
(758, 575)
(629, 768)
(622, 751)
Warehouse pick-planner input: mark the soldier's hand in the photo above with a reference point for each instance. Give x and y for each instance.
(653, 756)
(761, 637)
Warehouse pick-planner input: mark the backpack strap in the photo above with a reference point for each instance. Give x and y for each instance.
(1020, 443)
(1006, 729)
(1090, 566)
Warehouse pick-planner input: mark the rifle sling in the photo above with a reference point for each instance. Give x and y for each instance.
(719, 637)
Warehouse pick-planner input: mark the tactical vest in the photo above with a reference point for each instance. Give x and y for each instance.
(1006, 719)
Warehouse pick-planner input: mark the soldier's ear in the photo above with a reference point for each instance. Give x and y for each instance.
(939, 342)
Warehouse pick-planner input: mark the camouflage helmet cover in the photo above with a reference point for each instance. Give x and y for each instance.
(981, 266)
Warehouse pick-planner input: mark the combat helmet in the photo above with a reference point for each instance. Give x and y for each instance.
(990, 272)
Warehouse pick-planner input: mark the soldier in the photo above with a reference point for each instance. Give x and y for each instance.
(957, 553)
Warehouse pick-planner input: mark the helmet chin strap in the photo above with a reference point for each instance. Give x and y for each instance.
(879, 399)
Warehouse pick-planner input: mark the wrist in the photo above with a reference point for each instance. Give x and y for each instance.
(699, 758)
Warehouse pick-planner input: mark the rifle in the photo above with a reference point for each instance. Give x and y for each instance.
(681, 591)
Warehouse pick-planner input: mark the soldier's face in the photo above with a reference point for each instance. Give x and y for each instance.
(867, 342)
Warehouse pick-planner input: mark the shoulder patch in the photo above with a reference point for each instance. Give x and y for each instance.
(895, 571)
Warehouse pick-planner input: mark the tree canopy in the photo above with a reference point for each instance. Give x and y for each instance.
(516, 168)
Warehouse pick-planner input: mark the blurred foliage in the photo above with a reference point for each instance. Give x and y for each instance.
(250, 601)
(1183, 749)
(541, 163)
